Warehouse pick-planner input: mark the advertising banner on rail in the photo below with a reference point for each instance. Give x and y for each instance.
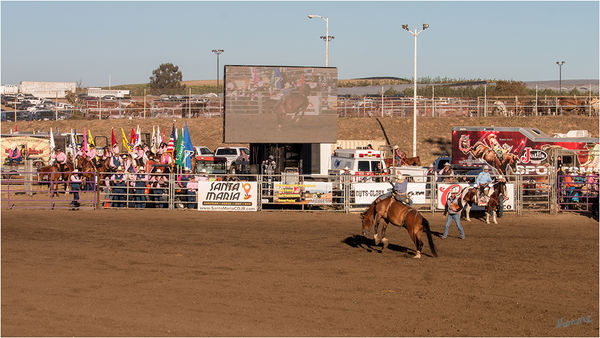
(233, 196)
(36, 146)
(366, 193)
(306, 193)
(443, 189)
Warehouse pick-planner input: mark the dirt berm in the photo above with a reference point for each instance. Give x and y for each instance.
(434, 134)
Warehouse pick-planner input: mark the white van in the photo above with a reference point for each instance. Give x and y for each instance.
(358, 161)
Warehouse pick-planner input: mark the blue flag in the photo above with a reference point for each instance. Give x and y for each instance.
(189, 148)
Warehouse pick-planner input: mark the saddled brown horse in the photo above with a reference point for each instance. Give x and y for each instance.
(469, 196)
(87, 169)
(55, 176)
(398, 214)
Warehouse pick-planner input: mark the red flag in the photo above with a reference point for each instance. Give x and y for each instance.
(131, 139)
(163, 135)
(15, 126)
(113, 140)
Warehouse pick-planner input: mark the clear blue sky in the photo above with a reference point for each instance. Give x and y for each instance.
(72, 41)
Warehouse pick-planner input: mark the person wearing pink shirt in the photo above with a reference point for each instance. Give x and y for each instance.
(165, 158)
(14, 155)
(60, 158)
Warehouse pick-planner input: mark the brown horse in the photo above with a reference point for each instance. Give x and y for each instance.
(399, 215)
(87, 168)
(469, 196)
(55, 176)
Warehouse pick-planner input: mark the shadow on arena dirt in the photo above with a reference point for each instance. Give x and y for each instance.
(368, 244)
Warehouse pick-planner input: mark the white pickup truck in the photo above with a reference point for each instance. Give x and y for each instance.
(231, 154)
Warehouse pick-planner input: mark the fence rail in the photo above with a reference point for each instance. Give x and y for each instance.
(341, 193)
(346, 107)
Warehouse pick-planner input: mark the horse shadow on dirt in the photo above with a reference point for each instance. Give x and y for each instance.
(368, 244)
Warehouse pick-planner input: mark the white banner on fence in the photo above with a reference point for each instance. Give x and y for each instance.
(444, 188)
(366, 193)
(235, 196)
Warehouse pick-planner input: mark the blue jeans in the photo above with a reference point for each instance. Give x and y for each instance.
(75, 190)
(456, 218)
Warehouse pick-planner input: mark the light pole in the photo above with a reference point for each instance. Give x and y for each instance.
(415, 33)
(325, 37)
(218, 52)
(560, 64)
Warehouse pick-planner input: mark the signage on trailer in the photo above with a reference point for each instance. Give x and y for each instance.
(520, 150)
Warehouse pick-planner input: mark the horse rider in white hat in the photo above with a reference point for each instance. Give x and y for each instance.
(399, 191)
(483, 180)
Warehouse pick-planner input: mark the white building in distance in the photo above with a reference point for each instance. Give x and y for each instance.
(98, 92)
(10, 89)
(46, 89)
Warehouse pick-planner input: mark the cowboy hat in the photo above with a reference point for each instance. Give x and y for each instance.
(400, 177)
(486, 167)
(395, 147)
(75, 170)
(447, 164)
(203, 171)
(119, 168)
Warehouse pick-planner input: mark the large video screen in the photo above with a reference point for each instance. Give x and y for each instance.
(277, 104)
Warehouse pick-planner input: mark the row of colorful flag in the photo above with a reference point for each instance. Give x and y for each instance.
(180, 148)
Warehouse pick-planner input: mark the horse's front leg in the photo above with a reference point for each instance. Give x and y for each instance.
(494, 216)
(376, 236)
(468, 212)
(383, 238)
(487, 216)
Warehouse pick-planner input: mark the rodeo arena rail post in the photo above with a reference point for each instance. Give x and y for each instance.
(547, 192)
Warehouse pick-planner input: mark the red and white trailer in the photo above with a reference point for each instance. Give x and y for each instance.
(529, 151)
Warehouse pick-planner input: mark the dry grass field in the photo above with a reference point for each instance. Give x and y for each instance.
(434, 134)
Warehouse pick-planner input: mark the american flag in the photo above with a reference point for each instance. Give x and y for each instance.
(171, 144)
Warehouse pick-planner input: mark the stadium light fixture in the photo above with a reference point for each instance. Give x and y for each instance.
(325, 37)
(560, 64)
(415, 33)
(218, 52)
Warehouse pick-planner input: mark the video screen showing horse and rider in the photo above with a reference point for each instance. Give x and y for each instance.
(277, 104)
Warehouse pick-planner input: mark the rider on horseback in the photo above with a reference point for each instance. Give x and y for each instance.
(399, 191)
(482, 182)
(60, 158)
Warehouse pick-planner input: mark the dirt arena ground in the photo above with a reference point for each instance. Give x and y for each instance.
(186, 273)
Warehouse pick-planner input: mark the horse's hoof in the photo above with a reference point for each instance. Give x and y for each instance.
(376, 238)
(468, 220)
(417, 255)
(385, 242)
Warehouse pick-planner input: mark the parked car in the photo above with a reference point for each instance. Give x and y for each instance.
(202, 150)
(232, 155)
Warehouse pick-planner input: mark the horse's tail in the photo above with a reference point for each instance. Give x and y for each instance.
(425, 224)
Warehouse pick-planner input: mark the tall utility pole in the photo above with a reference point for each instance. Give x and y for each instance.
(218, 52)
(560, 64)
(325, 37)
(415, 33)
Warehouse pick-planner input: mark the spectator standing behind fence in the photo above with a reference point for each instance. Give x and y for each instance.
(453, 209)
(14, 155)
(244, 161)
(159, 183)
(139, 181)
(446, 174)
(75, 186)
(182, 184)
(118, 188)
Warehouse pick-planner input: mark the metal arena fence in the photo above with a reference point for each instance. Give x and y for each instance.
(338, 193)
(368, 106)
